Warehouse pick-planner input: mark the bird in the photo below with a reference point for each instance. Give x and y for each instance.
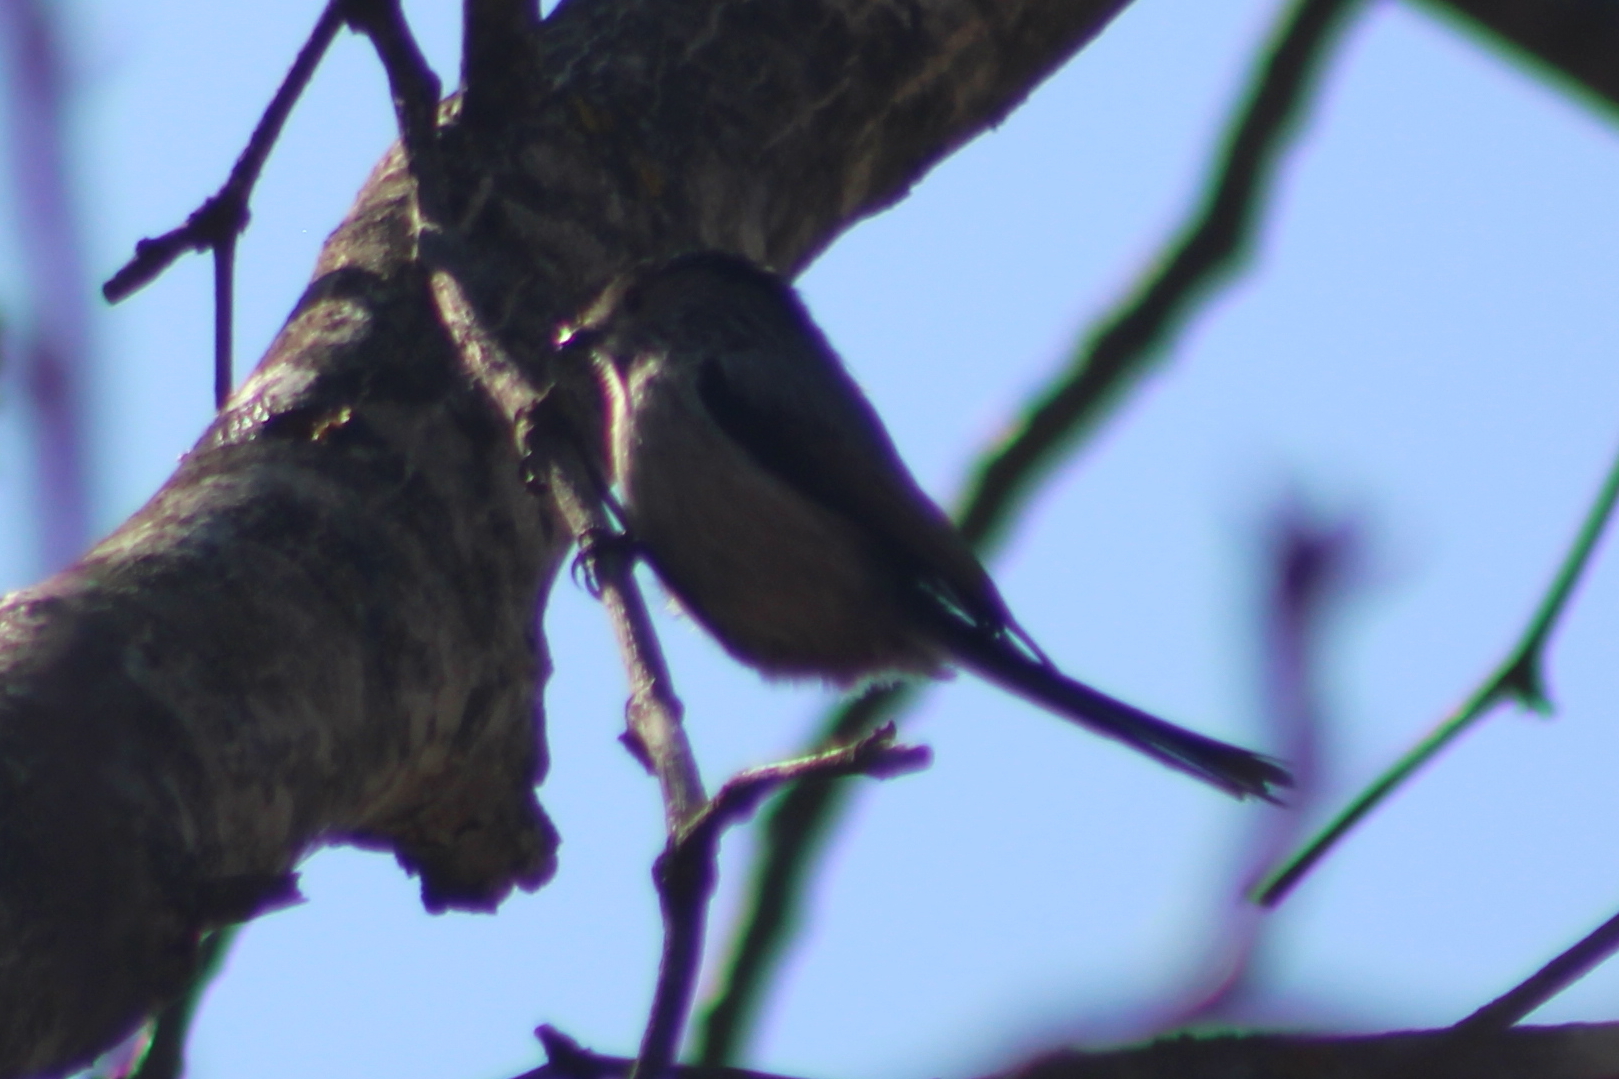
(757, 480)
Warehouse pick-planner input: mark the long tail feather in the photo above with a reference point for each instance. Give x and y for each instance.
(1234, 770)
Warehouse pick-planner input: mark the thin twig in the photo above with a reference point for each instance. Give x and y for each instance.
(1517, 678)
(223, 217)
(1102, 365)
(687, 869)
(654, 732)
(1460, 1050)
(1208, 248)
(567, 1059)
(795, 830)
(415, 89)
(1518, 1003)
(224, 316)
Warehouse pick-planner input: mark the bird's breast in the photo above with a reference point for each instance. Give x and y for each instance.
(785, 583)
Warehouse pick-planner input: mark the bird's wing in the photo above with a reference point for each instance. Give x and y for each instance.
(817, 432)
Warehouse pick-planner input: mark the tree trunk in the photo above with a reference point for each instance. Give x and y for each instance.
(324, 627)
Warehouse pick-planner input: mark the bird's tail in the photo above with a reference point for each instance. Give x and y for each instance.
(1234, 770)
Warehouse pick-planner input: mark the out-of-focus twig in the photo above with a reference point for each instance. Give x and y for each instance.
(1516, 678)
(1575, 41)
(219, 220)
(1310, 563)
(54, 349)
(1102, 365)
(1210, 246)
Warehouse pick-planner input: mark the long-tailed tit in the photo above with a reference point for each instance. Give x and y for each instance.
(759, 483)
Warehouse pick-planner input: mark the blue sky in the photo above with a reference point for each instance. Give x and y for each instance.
(1425, 342)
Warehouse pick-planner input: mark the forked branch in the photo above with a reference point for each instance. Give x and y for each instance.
(1516, 678)
(217, 223)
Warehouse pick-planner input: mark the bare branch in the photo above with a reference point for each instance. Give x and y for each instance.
(686, 872)
(217, 223)
(1576, 1051)
(654, 733)
(416, 91)
(567, 1059)
(1517, 678)
(1210, 246)
(1519, 1002)
(795, 832)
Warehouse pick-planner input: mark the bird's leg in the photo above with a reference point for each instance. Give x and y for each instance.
(599, 547)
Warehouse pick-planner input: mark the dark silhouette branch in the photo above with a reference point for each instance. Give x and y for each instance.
(1519, 1002)
(217, 223)
(1103, 364)
(567, 1059)
(415, 89)
(1516, 679)
(1568, 1052)
(687, 870)
(794, 833)
(1574, 41)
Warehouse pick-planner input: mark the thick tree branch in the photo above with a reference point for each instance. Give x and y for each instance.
(1569, 1052)
(1575, 40)
(1577, 1051)
(323, 628)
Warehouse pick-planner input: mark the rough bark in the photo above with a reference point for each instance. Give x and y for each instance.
(323, 627)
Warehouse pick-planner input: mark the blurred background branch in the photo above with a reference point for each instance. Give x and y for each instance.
(1310, 566)
(1517, 679)
(51, 339)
